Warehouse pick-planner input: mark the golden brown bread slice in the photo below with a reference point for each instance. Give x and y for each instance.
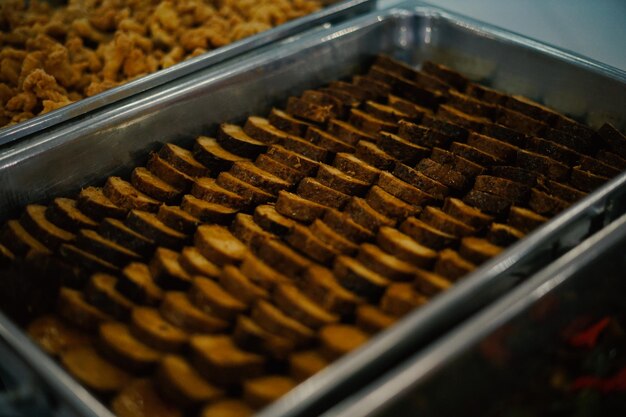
(249, 192)
(124, 195)
(177, 381)
(95, 204)
(402, 150)
(116, 231)
(35, 222)
(307, 243)
(478, 250)
(298, 208)
(178, 310)
(219, 245)
(327, 235)
(211, 154)
(101, 292)
(430, 284)
(249, 232)
(503, 235)
(384, 264)
(343, 224)
(355, 277)
(451, 265)
(227, 408)
(306, 166)
(234, 139)
(442, 174)
(166, 270)
(445, 222)
(363, 214)
(309, 110)
(305, 364)
(248, 335)
(151, 227)
(178, 218)
(341, 181)
(314, 190)
(117, 344)
(213, 299)
(339, 339)
(137, 284)
(85, 259)
(388, 205)
(151, 185)
(240, 286)
(415, 178)
(466, 214)
(373, 155)
(283, 258)
(542, 164)
(55, 336)
(194, 263)
(283, 121)
(94, 372)
(427, 235)
(207, 189)
(327, 141)
(64, 213)
(356, 168)
(261, 273)
(72, 307)
(346, 132)
(404, 248)
(301, 307)
(141, 399)
(271, 220)
(262, 391)
(275, 321)
(305, 148)
(167, 173)
(400, 299)
(323, 288)
(148, 326)
(252, 174)
(92, 242)
(524, 219)
(278, 169)
(371, 319)
(402, 190)
(219, 360)
(183, 160)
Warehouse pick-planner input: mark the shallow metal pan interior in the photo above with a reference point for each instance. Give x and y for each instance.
(340, 10)
(482, 363)
(113, 140)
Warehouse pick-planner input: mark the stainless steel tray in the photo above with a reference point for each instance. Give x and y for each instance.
(488, 365)
(113, 140)
(333, 13)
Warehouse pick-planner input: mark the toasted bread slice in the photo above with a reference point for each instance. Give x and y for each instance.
(402, 150)
(116, 231)
(586, 181)
(356, 277)
(163, 170)
(327, 141)
(520, 122)
(249, 192)
(150, 226)
(384, 112)
(55, 336)
(400, 299)
(463, 165)
(442, 174)
(363, 214)
(339, 339)
(478, 250)
(92, 242)
(309, 110)
(136, 283)
(252, 174)
(149, 327)
(250, 336)
(456, 116)
(96, 205)
(343, 224)
(298, 208)
(470, 105)
(507, 189)
(475, 155)
(178, 310)
(194, 263)
(466, 214)
(323, 288)
(278, 169)
(183, 160)
(503, 235)
(264, 131)
(487, 202)
(234, 139)
(74, 309)
(452, 266)
(283, 121)
(275, 321)
(422, 136)
(283, 258)
(314, 190)
(207, 189)
(340, 181)
(85, 259)
(179, 219)
(305, 148)
(64, 213)
(513, 173)
(553, 150)
(502, 150)
(35, 222)
(545, 204)
(179, 382)
(388, 205)
(427, 235)
(347, 133)
(306, 242)
(227, 407)
(327, 235)
(101, 292)
(93, 371)
(369, 123)
(297, 304)
(371, 319)
(356, 168)
(219, 245)
(386, 265)
(210, 153)
(559, 190)
(373, 155)
(249, 232)
(302, 164)
(402, 190)
(151, 185)
(271, 220)
(305, 364)
(122, 348)
(525, 220)
(405, 248)
(261, 273)
(415, 178)
(124, 195)
(487, 94)
(446, 74)
(212, 298)
(167, 272)
(141, 398)
(262, 391)
(240, 286)
(430, 284)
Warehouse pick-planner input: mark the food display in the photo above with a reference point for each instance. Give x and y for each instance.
(218, 277)
(53, 56)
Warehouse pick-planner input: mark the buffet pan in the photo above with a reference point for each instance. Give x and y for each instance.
(334, 12)
(552, 346)
(111, 141)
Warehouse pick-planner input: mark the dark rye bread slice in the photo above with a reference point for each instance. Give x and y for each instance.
(524, 219)
(485, 93)
(283, 121)
(343, 224)
(327, 141)
(64, 213)
(183, 160)
(101, 293)
(442, 174)
(306, 242)
(308, 110)
(553, 150)
(457, 117)
(322, 98)
(356, 168)
(234, 139)
(503, 235)
(362, 281)
(446, 74)
(581, 137)
(400, 299)
(520, 122)
(340, 181)
(371, 154)
(504, 188)
(151, 227)
(315, 191)
(500, 149)
(167, 173)
(284, 259)
(542, 164)
(380, 88)
(405, 248)
(445, 127)
(400, 149)
(261, 274)
(305, 148)
(327, 235)
(464, 166)
(487, 202)
(343, 95)
(586, 181)
(246, 230)
(476, 155)
(249, 192)
(545, 204)
(321, 285)
(151, 185)
(109, 251)
(306, 166)
(478, 250)
(615, 140)
(369, 123)
(385, 264)
(347, 133)
(505, 134)
(262, 130)
(403, 190)
(598, 167)
(427, 235)
(194, 263)
(136, 283)
(385, 112)
(444, 222)
(167, 272)
(513, 173)
(388, 205)
(19, 241)
(200, 210)
(415, 178)
(124, 195)
(298, 208)
(211, 154)
(270, 219)
(471, 105)
(278, 169)
(241, 287)
(252, 174)
(116, 231)
(219, 245)
(362, 213)
(179, 219)
(413, 110)
(559, 190)
(453, 266)
(208, 190)
(35, 222)
(95, 204)
(466, 214)
(531, 109)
